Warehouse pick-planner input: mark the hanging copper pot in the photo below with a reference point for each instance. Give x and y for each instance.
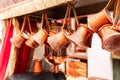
(110, 34)
(82, 37)
(30, 41)
(41, 36)
(54, 29)
(20, 38)
(110, 38)
(97, 20)
(57, 41)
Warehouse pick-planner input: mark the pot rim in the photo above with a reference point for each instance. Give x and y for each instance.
(110, 38)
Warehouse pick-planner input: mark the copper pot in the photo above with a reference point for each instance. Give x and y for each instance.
(57, 41)
(82, 37)
(97, 20)
(110, 38)
(37, 66)
(31, 42)
(19, 39)
(51, 33)
(40, 36)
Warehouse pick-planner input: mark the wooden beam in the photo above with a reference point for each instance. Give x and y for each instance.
(54, 8)
(82, 10)
(28, 6)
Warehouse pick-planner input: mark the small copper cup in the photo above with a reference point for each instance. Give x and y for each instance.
(40, 36)
(31, 42)
(37, 66)
(19, 39)
(57, 41)
(82, 37)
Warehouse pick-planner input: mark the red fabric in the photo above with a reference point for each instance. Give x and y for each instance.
(22, 59)
(5, 51)
(23, 54)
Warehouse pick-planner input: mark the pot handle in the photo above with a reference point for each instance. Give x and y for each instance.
(42, 20)
(47, 23)
(75, 14)
(69, 31)
(66, 15)
(109, 4)
(24, 23)
(116, 13)
(68, 11)
(26, 18)
(29, 25)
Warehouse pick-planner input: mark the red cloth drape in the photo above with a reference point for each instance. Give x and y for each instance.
(22, 59)
(5, 50)
(23, 53)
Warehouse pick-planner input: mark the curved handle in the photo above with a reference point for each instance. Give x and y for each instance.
(42, 21)
(24, 22)
(29, 25)
(68, 12)
(66, 15)
(109, 4)
(69, 31)
(117, 13)
(47, 22)
(75, 14)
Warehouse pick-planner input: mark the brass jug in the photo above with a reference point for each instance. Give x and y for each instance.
(82, 37)
(97, 20)
(110, 38)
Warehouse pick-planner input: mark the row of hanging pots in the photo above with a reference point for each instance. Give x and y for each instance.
(23, 35)
(56, 40)
(101, 23)
(107, 26)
